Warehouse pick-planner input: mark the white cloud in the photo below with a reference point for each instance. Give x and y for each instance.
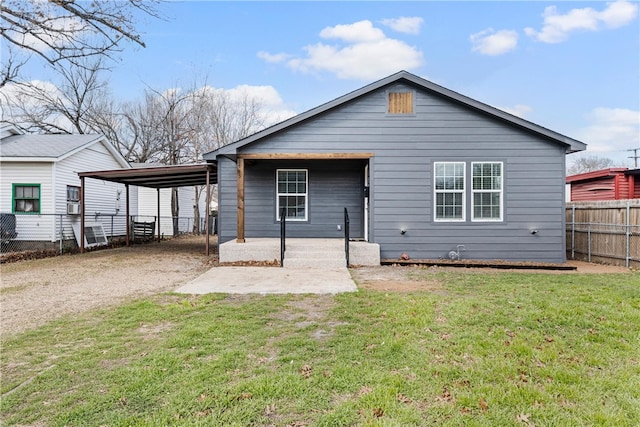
(273, 107)
(361, 51)
(22, 94)
(404, 24)
(273, 58)
(519, 110)
(611, 130)
(358, 32)
(491, 42)
(557, 27)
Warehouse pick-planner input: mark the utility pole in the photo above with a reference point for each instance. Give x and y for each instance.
(635, 156)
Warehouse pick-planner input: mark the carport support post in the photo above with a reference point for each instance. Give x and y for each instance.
(82, 214)
(158, 190)
(206, 214)
(127, 220)
(240, 238)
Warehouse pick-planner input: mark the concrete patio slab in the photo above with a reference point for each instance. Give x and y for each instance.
(271, 280)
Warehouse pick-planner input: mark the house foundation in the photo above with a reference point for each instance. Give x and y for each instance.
(300, 252)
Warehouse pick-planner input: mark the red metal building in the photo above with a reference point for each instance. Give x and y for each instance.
(605, 184)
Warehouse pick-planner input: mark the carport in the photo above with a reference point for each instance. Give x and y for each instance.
(153, 177)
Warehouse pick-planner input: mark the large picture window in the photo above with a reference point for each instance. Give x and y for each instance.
(292, 193)
(26, 198)
(486, 189)
(449, 191)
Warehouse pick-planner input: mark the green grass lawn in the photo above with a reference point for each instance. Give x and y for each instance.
(477, 349)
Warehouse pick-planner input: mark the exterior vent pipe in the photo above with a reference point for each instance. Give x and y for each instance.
(455, 255)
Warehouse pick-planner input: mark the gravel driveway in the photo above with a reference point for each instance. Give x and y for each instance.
(35, 292)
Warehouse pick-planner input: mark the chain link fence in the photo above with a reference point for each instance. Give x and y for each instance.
(38, 235)
(604, 232)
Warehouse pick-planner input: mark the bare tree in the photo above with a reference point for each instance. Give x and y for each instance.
(66, 107)
(67, 30)
(588, 163)
(218, 118)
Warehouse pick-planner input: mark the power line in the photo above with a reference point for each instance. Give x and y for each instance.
(635, 156)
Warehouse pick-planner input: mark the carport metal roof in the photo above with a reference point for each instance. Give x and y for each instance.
(159, 176)
(155, 177)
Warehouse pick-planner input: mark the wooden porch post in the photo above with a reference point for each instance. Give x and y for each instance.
(127, 217)
(240, 238)
(81, 215)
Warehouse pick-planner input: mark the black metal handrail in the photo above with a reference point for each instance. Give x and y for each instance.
(346, 235)
(283, 233)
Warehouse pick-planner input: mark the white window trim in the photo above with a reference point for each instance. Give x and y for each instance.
(306, 195)
(463, 191)
(501, 191)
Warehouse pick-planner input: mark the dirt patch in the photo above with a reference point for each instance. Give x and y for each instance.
(394, 279)
(35, 292)
(404, 278)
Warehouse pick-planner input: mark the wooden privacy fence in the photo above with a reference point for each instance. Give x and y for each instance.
(605, 231)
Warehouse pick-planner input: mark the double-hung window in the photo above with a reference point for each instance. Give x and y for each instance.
(292, 194)
(486, 190)
(449, 184)
(73, 194)
(26, 198)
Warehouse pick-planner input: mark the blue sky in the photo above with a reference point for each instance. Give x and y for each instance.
(571, 66)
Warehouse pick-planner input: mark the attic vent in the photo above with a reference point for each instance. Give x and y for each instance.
(400, 103)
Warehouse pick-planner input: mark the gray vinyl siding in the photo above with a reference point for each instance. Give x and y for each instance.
(227, 200)
(405, 148)
(332, 186)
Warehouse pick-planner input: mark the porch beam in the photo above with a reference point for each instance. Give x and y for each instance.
(303, 156)
(240, 238)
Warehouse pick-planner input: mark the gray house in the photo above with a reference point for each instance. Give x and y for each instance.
(420, 169)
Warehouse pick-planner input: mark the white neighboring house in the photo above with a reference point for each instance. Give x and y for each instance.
(148, 206)
(40, 186)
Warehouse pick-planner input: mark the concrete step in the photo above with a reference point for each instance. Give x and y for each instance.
(321, 253)
(314, 262)
(313, 254)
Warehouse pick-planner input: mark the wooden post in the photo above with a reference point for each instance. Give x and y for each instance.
(127, 218)
(240, 238)
(206, 215)
(81, 215)
(158, 220)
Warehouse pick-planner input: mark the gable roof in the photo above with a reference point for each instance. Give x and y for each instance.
(601, 173)
(8, 130)
(572, 145)
(51, 147)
